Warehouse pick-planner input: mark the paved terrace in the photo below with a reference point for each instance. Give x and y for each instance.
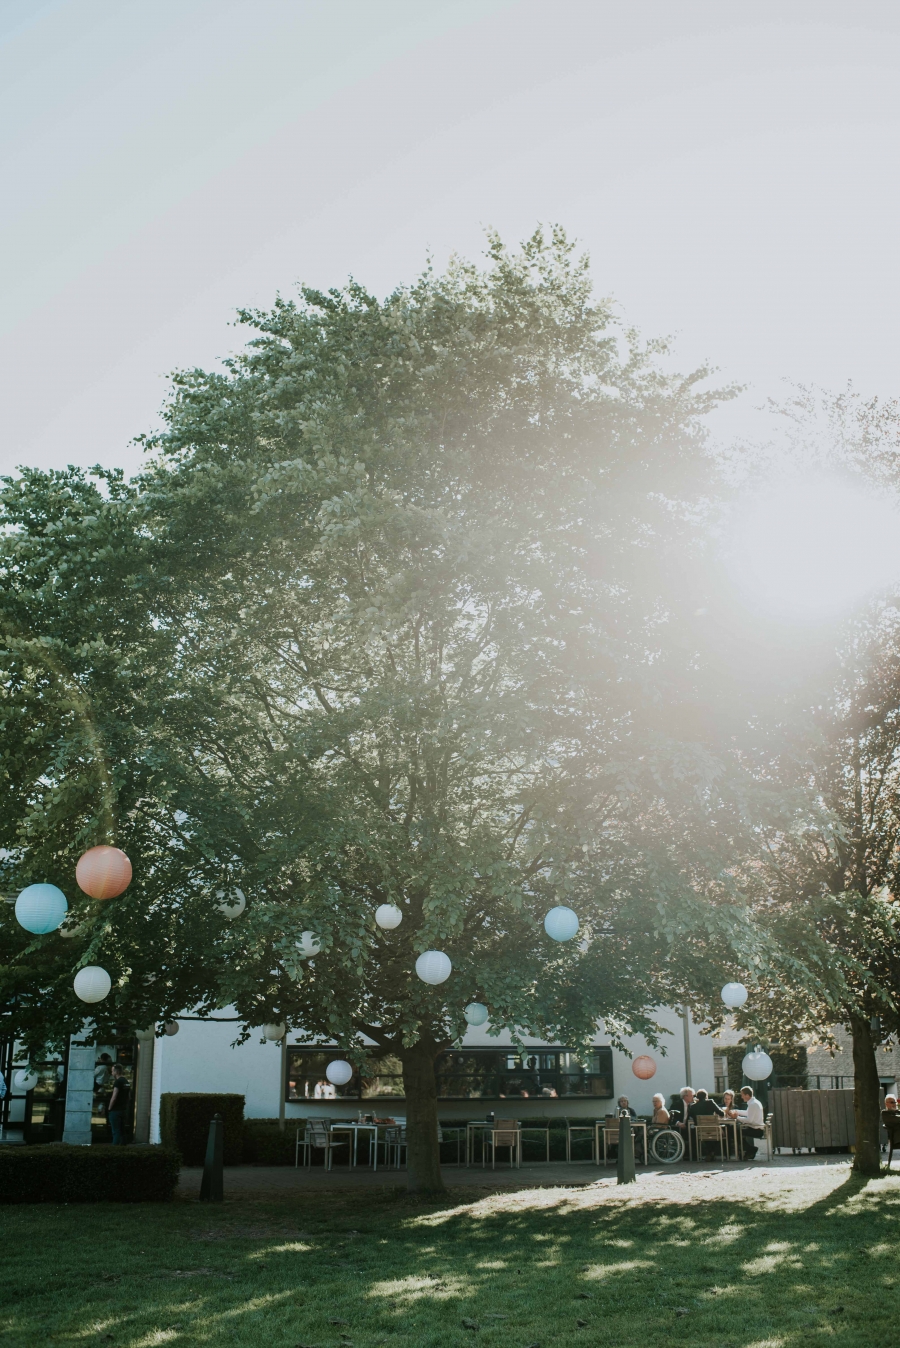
(252, 1181)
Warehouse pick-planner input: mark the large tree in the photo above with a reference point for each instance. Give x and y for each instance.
(405, 626)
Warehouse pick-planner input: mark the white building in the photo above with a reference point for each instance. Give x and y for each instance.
(482, 1073)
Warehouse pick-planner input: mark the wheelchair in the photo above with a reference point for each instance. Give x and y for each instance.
(666, 1146)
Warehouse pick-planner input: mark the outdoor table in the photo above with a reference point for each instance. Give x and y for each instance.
(733, 1136)
(635, 1126)
(356, 1129)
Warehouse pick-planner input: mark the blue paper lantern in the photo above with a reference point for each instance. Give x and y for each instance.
(561, 923)
(476, 1013)
(41, 908)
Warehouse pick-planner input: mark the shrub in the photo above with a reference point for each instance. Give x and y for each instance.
(58, 1173)
(266, 1144)
(184, 1124)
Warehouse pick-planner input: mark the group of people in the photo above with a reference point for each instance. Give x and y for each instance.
(694, 1105)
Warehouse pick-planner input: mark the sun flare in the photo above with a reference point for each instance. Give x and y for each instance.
(813, 548)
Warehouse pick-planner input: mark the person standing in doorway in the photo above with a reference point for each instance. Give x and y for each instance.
(118, 1105)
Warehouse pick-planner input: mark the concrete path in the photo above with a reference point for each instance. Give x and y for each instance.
(252, 1181)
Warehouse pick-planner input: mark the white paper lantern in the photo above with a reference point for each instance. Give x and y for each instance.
(275, 1032)
(171, 1027)
(476, 1013)
(92, 983)
(388, 916)
(41, 908)
(734, 995)
(231, 902)
(757, 1066)
(25, 1080)
(433, 966)
(339, 1072)
(561, 923)
(308, 945)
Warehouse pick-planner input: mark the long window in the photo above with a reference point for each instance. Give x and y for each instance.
(463, 1074)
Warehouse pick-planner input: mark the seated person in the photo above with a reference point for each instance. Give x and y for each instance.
(752, 1119)
(727, 1101)
(890, 1117)
(678, 1114)
(660, 1115)
(703, 1107)
(624, 1107)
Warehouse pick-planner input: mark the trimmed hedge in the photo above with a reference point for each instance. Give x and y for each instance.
(184, 1124)
(58, 1173)
(266, 1144)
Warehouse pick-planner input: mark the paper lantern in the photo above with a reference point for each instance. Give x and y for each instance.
(308, 945)
(757, 1066)
(275, 1032)
(171, 1027)
(104, 872)
(388, 916)
(92, 983)
(26, 1080)
(339, 1072)
(561, 923)
(41, 908)
(231, 902)
(434, 967)
(643, 1067)
(476, 1013)
(734, 995)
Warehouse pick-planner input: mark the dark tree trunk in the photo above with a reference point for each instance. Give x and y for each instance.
(423, 1157)
(866, 1099)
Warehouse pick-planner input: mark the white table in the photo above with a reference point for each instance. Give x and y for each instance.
(356, 1129)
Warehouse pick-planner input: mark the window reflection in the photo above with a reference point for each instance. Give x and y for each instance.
(468, 1074)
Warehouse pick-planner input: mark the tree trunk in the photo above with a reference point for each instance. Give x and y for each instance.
(866, 1099)
(423, 1157)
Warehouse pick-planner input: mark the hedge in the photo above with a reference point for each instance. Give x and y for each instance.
(184, 1124)
(58, 1173)
(266, 1144)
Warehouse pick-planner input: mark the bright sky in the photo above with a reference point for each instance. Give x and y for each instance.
(732, 169)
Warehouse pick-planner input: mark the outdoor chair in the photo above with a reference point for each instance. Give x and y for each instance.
(452, 1134)
(303, 1140)
(394, 1144)
(709, 1130)
(610, 1136)
(571, 1129)
(506, 1133)
(319, 1137)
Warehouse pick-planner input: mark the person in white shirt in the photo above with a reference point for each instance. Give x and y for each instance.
(752, 1119)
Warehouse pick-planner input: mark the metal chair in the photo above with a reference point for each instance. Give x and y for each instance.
(452, 1134)
(506, 1133)
(578, 1128)
(320, 1137)
(394, 1143)
(303, 1140)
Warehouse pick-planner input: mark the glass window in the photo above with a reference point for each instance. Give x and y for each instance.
(462, 1074)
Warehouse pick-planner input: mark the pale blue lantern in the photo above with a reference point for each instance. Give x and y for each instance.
(476, 1013)
(41, 908)
(561, 923)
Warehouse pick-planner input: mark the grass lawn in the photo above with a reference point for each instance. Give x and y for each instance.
(753, 1259)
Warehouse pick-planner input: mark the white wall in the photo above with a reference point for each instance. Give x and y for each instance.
(200, 1058)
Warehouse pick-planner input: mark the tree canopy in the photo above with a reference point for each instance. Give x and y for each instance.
(394, 615)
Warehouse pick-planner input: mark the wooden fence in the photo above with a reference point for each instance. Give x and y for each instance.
(812, 1119)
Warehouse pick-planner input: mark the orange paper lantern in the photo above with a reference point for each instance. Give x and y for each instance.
(103, 872)
(643, 1067)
